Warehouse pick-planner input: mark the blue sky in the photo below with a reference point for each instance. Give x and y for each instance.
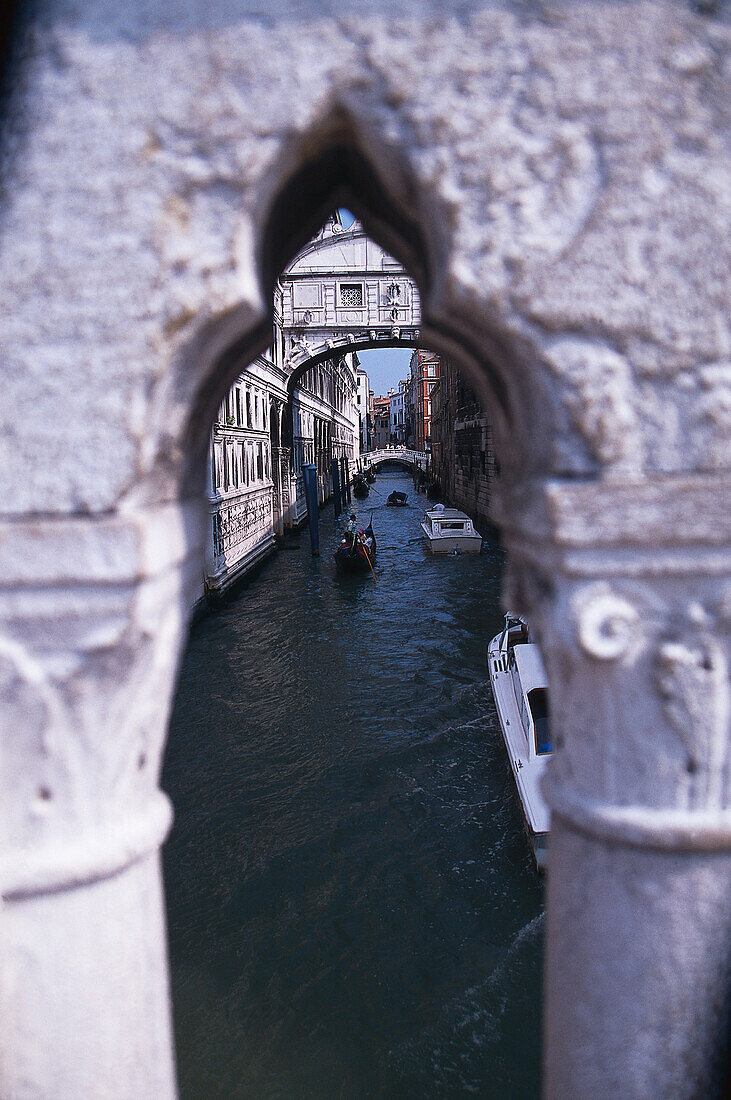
(385, 367)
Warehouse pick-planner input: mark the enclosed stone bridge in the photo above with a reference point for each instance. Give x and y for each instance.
(413, 460)
(343, 293)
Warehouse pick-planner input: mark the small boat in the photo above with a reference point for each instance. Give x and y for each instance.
(396, 499)
(448, 531)
(370, 474)
(357, 555)
(520, 689)
(360, 487)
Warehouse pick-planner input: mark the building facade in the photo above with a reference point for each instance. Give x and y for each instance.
(343, 292)
(462, 454)
(397, 412)
(381, 421)
(246, 471)
(363, 405)
(424, 373)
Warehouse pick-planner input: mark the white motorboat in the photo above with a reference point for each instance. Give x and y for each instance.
(448, 531)
(520, 688)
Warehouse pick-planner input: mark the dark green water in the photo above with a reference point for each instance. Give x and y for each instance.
(352, 907)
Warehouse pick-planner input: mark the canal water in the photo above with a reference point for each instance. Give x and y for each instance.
(352, 907)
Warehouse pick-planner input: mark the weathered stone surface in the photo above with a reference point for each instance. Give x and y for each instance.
(559, 174)
(567, 169)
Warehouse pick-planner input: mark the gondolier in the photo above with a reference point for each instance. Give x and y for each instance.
(352, 527)
(357, 549)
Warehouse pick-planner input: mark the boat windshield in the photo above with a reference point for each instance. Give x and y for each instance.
(451, 526)
(538, 703)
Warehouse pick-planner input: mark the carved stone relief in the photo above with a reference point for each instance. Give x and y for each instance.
(39, 756)
(601, 398)
(608, 625)
(692, 677)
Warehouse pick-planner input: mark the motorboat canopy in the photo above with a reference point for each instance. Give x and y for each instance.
(448, 530)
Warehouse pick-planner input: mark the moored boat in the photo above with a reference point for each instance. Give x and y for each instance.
(448, 531)
(357, 553)
(371, 474)
(520, 689)
(396, 499)
(361, 488)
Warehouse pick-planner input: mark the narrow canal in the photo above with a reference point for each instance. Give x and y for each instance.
(352, 907)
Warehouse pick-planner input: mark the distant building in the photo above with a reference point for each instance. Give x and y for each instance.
(382, 421)
(363, 400)
(424, 370)
(399, 401)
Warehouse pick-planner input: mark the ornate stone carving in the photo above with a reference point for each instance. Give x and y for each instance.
(607, 624)
(692, 677)
(300, 344)
(602, 400)
(32, 761)
(54, 777)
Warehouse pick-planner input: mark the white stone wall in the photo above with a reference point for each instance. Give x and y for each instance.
(555, 178)
(243, 490)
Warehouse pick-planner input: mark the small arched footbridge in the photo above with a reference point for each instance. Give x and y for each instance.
(413, 460)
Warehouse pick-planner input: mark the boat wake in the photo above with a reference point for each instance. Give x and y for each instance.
(467, 1047)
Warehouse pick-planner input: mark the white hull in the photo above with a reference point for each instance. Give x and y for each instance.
(527, 767)
(449, 544)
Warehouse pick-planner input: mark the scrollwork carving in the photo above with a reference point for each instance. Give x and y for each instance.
(607, 625)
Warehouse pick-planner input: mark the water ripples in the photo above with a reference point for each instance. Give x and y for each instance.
(351, 902)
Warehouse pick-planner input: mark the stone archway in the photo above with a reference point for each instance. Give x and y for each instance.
(553, 186)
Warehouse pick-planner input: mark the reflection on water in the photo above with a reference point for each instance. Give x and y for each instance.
(351, 903)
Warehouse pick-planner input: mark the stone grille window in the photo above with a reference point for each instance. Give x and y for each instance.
(351, 295)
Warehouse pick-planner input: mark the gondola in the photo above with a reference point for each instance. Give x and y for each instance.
(370, 474)
(397, 500)
(357, 558)
(360, 487)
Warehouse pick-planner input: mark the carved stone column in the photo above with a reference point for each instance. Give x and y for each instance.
(93, 612)
(626, 584)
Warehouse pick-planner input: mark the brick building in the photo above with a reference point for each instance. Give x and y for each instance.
(462, 454)
(424, 372)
